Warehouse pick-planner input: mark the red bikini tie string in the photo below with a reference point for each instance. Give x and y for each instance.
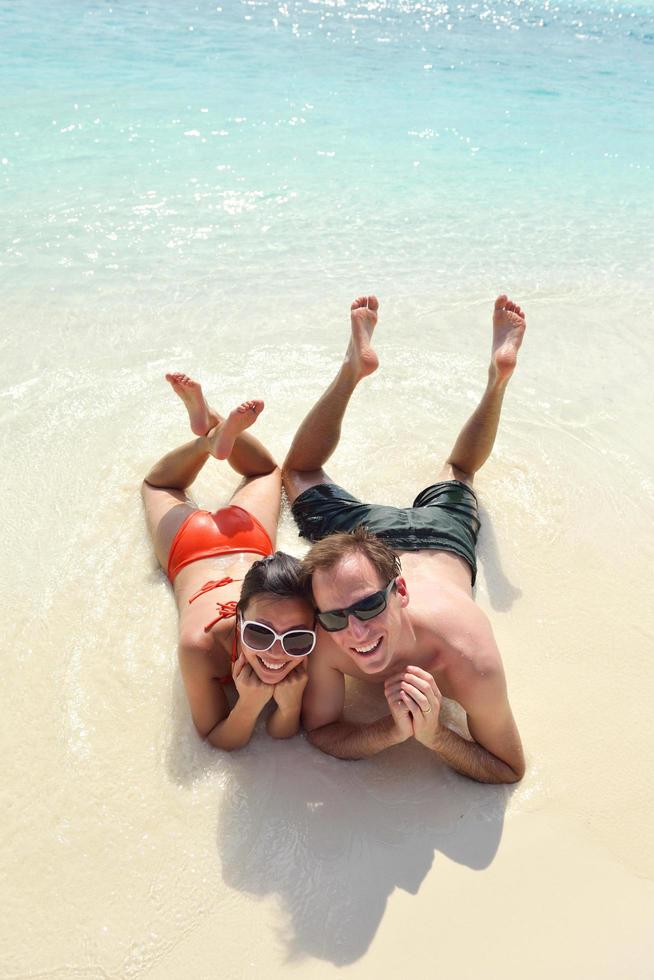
(208, 586)
(225, 610)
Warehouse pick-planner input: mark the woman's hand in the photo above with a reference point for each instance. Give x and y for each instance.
(288, 693)
(284, 722)
(252, 691)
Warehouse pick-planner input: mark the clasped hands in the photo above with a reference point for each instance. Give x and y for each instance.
(415, 703)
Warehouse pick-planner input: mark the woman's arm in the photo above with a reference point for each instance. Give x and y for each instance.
(212, 718)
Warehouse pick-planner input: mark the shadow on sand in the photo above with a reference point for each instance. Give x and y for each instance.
(501, 592)
(333, 839)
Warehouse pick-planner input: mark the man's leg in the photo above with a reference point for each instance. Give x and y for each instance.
(476, 439)
(318, 435)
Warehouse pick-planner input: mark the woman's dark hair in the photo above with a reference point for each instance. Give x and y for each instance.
(277, 576)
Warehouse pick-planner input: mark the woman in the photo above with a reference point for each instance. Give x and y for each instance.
(242, 615)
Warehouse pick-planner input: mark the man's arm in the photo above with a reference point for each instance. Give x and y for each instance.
(495, 754)
(322, 715)
(345, 740)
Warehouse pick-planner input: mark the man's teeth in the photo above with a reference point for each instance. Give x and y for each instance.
(270, 665)
(368, 649)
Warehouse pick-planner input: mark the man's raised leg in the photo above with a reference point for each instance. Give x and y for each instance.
(476, 439)
(318, 434)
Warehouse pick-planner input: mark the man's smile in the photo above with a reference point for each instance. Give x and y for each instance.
(368, 649)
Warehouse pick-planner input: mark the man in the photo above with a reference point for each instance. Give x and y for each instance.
(395, 605)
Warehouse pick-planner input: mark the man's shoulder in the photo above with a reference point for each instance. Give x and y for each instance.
(449, 615)
(460, 635)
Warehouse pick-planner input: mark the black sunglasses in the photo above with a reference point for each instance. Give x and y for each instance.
(364, 609)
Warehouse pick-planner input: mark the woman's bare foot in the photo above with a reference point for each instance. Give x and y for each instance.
(360, 356)
(223, 436)
(201, 417)
(508, 330)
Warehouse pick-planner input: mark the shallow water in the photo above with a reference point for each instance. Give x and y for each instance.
(242, 182)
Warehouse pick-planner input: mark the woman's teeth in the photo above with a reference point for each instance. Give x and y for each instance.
(270, 665)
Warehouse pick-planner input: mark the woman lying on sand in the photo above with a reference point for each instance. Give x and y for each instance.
(242, 615)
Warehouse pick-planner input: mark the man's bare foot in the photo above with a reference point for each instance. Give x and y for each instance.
(508, 330)
(360, 355)
(201, 417)
(223, 436)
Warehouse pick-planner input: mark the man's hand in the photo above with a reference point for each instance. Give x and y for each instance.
(415, 703)
(251, 690)
(288, 693)
(399, 709)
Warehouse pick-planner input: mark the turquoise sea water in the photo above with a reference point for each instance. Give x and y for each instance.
(151, 148)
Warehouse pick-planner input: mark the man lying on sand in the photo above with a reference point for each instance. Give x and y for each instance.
(413, 626)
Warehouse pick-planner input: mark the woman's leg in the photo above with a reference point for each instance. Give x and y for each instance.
(260, 491)
(166, 503)
(261, 497)
(230, 441)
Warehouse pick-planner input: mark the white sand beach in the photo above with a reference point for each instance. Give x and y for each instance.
(131, 849)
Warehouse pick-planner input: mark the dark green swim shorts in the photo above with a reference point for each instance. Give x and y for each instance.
(443, 517)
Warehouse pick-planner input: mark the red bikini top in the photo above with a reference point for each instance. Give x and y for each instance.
(225, 611)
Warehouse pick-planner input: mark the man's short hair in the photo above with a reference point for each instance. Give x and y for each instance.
(326, 554)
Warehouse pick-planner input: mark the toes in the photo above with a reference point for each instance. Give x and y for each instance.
(363, 302)
(501, 301)
(254, 405)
